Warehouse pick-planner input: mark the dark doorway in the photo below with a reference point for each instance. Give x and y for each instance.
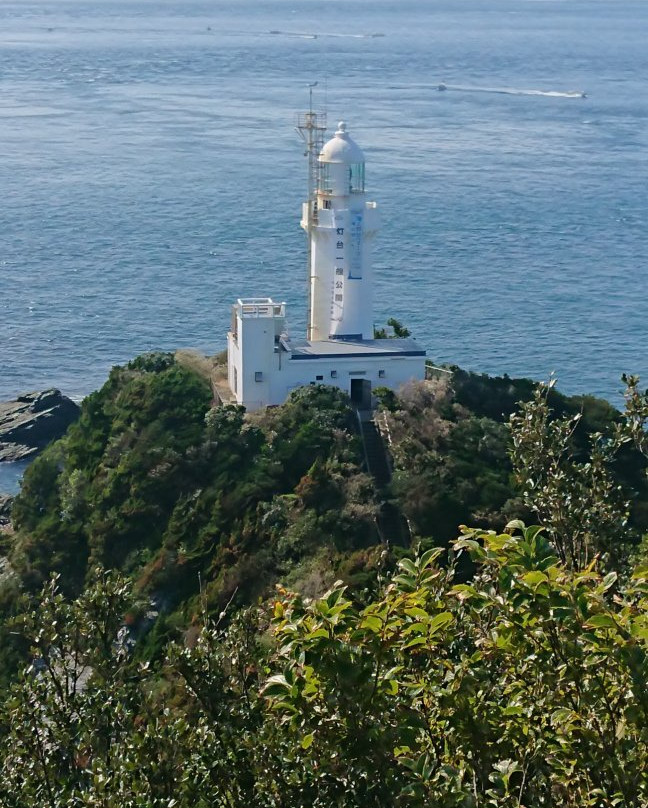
(361, 393)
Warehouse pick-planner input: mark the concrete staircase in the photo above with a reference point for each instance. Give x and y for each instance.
(392, 526)
(375, 453)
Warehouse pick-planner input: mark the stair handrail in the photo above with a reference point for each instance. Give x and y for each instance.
(382, 424)
(364, 442)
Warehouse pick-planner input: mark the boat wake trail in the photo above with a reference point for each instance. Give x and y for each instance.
(512, 91)
(318, 35)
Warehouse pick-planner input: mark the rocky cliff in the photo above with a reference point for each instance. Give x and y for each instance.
(30, 422)
(6, 502)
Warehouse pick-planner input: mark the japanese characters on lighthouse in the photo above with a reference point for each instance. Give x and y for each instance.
(337, 295)
(355, 250)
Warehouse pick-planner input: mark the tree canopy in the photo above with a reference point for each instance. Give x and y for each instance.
(525, 686)
(199, 610)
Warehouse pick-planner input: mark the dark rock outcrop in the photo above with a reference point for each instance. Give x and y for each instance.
(32, 421)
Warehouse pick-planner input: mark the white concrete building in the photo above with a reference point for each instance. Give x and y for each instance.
(264, 364)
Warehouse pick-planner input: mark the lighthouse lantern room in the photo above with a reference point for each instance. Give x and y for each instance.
(264, 363)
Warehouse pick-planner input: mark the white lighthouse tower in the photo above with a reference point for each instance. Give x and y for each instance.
(341, 227)
(264, 362)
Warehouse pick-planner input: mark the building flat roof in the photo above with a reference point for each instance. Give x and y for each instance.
(352, 349)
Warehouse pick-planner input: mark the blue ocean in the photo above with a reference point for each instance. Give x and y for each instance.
(150, 174)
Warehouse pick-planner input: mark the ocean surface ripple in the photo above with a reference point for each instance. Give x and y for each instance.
(151, 175)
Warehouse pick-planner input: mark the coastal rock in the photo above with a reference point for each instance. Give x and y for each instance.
(32, 421)
(6, 501)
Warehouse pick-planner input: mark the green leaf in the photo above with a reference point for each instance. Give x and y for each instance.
(440, 621)
(407, 565)
(601, 621)
(416, 611)
(639, 627)
(515, 524)
(463, 591)
(373, 623)
(307, 740)
(534, 578)
(562, 716)
(496, 542)
(475, 550)
(276, 686)
(415, 641)
(419, 628)
(317, 634)
(429, 557)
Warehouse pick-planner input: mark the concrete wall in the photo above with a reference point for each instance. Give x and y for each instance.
(299, 372)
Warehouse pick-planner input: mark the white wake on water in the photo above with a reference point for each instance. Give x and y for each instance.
(513, 91)
(319, 34)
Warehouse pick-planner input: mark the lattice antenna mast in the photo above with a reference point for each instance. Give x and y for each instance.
(312, 128)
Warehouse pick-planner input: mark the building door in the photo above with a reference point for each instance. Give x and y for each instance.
(361, 393)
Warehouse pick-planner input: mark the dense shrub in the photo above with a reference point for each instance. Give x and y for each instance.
(526, 686)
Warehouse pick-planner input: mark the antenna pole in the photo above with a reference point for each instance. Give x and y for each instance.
(312, 127)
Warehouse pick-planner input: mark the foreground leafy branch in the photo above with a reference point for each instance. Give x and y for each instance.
(524, 687)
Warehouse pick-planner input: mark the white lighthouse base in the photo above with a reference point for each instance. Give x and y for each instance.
(265, 365)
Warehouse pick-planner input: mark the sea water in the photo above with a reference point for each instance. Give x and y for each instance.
(150, 174)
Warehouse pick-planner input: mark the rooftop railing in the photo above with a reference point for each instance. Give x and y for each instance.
(261, 307)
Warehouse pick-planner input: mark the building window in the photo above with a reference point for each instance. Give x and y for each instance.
(258, 376)
(381, 374)
(319, 378)
(327, 204)
(235, 380)
(334, 374)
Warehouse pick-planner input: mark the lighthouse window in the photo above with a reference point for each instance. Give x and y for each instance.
(357, 178)
(325, 177)
(258, 376)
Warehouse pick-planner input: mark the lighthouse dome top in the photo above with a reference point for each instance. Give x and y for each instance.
(341, 148)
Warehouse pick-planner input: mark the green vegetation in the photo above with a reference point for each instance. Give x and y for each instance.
(395, 330)
(210, 666)
(524, 687)
(462, 446)
(191, 502)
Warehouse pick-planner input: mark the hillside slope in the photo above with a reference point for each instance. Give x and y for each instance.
(204, 506)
